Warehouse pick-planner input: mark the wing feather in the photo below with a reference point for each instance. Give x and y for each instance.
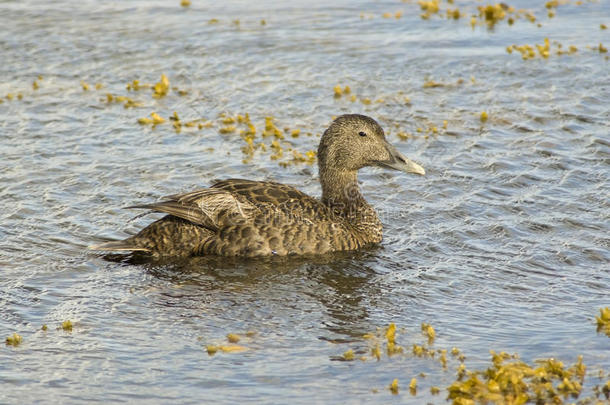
(212, 209)
(239, 201)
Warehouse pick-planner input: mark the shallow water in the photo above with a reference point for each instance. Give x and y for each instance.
(503, 245)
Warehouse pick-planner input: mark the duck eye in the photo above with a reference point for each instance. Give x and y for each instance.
(361, 133)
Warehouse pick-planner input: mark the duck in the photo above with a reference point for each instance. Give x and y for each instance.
(247, 218)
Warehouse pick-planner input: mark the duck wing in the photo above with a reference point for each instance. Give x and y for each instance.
(210, 208)
(264, 192)
(277, 199)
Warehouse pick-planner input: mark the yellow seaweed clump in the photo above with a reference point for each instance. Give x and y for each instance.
(544, 50)
(176, 123)
(394, 387)
(428, 8)
(339, 91)
(404, 135)
(551, 4)
(443, 358)
(526, 51)
(453, 13)
(422, 351)
(277, 148)
(233, 338)
(428, 330)
(413, 386)
(432, 84)
(14, 340)
(135, 85)
(492, 13)
(227, 129)
(127, 101)
(390, 335)
(348, 355)
(67, 325)
(272, 129)
(297, 157)
(512, 381)
(161, 88)
(213, 349)
(383, 337)
(10, 96)
(155, 119)
(603, 321)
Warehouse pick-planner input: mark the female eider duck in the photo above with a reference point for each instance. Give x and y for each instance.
(257, 218)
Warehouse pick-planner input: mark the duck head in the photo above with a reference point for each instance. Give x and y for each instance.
(354, 141)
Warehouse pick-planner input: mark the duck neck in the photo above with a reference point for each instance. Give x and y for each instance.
(340, 191)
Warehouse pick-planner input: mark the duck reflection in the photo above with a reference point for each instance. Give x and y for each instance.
(344, 283)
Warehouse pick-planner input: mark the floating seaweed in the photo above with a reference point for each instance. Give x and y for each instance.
(428, 331)
(348, 355)
(603, 321)
(229, 348)
(161, 88)
(14, 340)
(233, 338)
(510, 380)
(544, 50)
(394, 386)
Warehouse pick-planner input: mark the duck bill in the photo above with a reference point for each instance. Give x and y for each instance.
(398, 161)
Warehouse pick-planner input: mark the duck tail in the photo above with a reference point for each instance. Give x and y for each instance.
(119, 246)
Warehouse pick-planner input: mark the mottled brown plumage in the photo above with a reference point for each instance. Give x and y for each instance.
(247, 218)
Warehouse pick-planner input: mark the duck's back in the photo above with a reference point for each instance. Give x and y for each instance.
(238, 217)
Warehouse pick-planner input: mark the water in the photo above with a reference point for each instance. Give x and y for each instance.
(503, 245)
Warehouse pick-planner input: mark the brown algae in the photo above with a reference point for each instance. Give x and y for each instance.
(394, 386)
(508, 380)
(13, 340)
(603, 321)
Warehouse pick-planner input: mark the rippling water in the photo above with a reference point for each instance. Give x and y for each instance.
(503, 245)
